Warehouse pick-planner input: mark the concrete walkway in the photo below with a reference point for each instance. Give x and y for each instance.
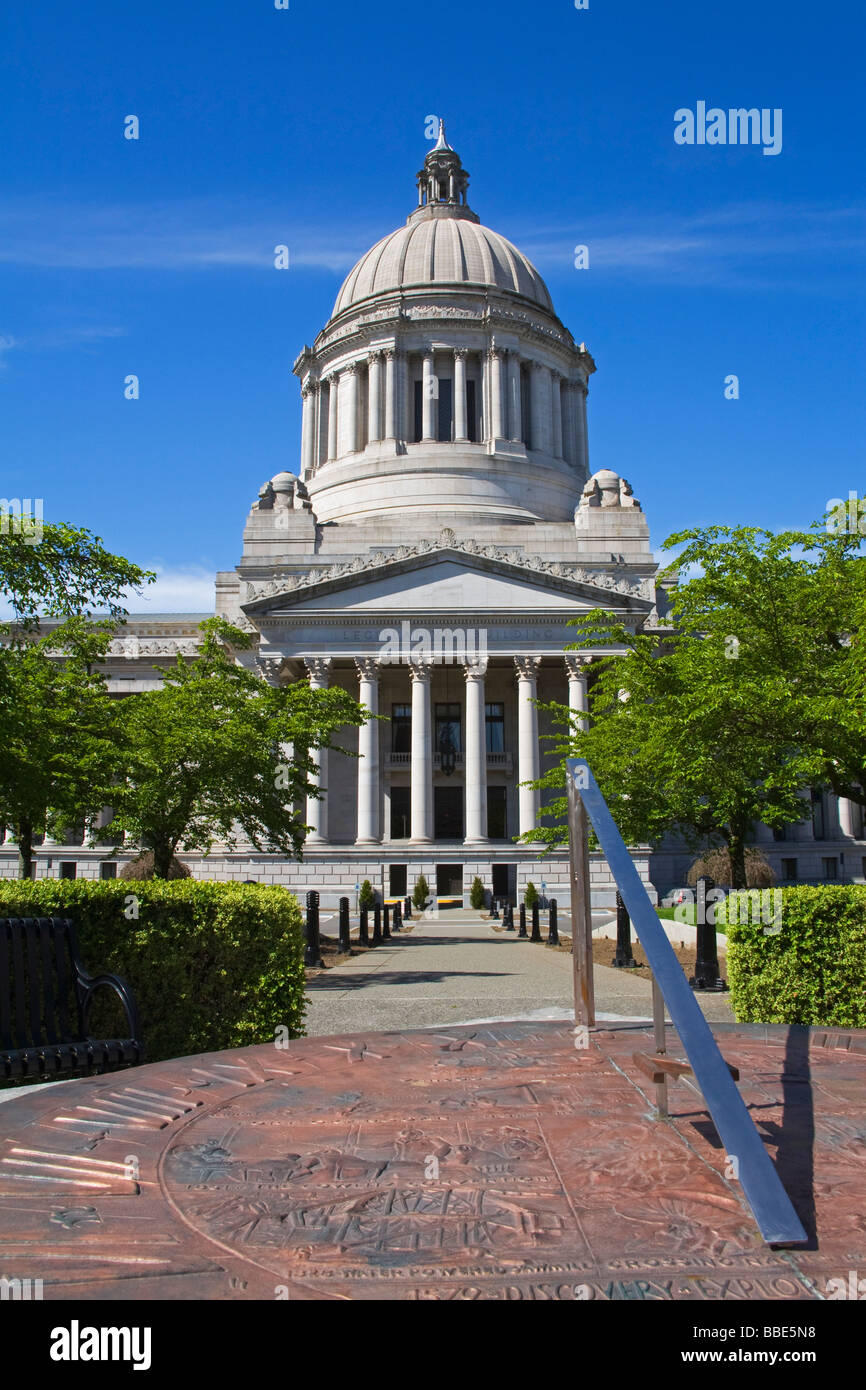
(457, 969)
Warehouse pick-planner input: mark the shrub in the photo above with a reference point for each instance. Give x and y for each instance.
(811, 971)
(477, 894)
(530, 897)
(367, 895)
(420, 892)
(717, 863)
(141, 868)
(212, 965)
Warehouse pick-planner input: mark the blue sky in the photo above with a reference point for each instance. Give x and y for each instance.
(306, 126)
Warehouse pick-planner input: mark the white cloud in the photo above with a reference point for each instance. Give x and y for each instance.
(169, 236)
(187, 589)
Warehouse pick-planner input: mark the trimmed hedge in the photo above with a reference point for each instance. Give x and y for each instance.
(212, 965)
(813, 971)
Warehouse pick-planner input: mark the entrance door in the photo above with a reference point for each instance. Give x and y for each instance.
(505, 882)
(449, 880)
(448, 813)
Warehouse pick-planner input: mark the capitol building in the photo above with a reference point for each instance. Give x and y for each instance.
(443, 526)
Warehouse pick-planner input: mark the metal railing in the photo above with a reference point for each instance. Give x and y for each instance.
(775, 1216)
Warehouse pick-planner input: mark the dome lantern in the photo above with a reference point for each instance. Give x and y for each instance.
(443, 181)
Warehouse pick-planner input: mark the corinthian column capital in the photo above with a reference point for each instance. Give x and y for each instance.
(527, 667)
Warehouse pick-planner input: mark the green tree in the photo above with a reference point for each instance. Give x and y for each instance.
(477, 894)
(750, 697)
(207, 754)
(530, 897)
(366, 896)
(420, 893)
(65, 573)
(60, 753)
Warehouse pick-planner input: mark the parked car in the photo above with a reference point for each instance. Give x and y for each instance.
(675, 896)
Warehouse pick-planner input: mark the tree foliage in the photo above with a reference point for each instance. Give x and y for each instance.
(60, 754)
(218, 750)
(755, 694)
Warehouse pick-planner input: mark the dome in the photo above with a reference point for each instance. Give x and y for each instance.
(443, 250)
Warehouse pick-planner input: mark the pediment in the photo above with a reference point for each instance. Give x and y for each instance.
(448, 579)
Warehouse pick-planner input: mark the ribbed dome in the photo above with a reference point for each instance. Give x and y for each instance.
(447, 250)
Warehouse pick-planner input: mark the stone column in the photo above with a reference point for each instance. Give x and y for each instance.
(422, 754)
(556, 413)
(308, 429)
(475, 764)
(847, 817)
(540, 397)
(390, 394)
(349, 410)
(578, 701)
(429, 400)
(528, 760)
(569, 436)
(515, 421)
(497, 423)
(317, 810)
(368, 749)
(461, 422)
(333, 414)
(582, 442)
(374, 398)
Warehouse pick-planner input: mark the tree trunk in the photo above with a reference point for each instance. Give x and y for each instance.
(162, 857)
(24, 835)
(737, 851)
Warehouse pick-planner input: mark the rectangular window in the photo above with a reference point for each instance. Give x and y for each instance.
(471, 413)
(401, 728)
(496, 820)
(397, 881)
(818, 815)
(494, 720)
(445, 415)
(780, 833)
(108, 868)
(418, 421)
(68, 868)
(448, 724)
(831, 866)
(400, 813)
(789, 870)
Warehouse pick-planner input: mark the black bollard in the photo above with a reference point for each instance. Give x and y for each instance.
(377, 924)
(509, 917)
(707, 974)
(623, 957)
(536, 925)
(552, 929)
(494, 914)
(363, 928)
(407, 908)
(345, 941)
(522, 931)
(386, 923)
(398, 917)
(312, 954)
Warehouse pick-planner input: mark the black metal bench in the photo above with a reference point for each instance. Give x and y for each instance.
(45, 1002)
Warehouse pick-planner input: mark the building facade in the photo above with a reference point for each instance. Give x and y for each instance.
(442, 530)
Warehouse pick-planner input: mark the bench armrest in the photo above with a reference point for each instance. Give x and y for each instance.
(90, 983)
